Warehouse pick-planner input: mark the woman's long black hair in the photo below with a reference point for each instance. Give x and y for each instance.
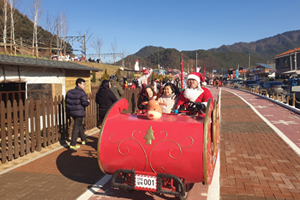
(173, 88)
(144, 95)
(104, 85)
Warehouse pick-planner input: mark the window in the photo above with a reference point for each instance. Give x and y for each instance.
(286, 62)
(38, 91)
(46, 90)
(12, 91)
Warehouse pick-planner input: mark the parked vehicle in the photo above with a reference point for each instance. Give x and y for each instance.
(251, 83)
(272, 87)
(236, 82)
(292, 86)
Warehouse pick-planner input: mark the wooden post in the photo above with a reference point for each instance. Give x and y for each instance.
(55, 119)
(9, 131)
(38, 125)
(26, 108)
(52, 120)
(44, 132)
(48, 121)
(21, 122)
(3, 132)
(32, 134)
(294, 99)
(59, 117)
(16, 129)
(65, 129)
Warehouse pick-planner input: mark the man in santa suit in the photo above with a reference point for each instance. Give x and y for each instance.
(195, 93)
(144, 79)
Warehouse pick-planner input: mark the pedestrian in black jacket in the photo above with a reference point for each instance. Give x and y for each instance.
(105, 98)
(116, 87)
(76, 102)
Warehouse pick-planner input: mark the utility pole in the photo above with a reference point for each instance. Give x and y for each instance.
(249, 62)
(84, 46)
(295, 60)
(249, 66)
(21, 45)
(57, 41)
(196, 61)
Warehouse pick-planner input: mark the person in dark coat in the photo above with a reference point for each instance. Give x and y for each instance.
(105, 98)
(116, 87)
(76, 102)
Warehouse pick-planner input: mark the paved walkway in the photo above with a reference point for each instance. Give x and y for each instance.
(62, 174)
(255, 162)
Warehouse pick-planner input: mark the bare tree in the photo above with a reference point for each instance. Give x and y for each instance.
(51, 28)
(114, 49)
(123, 55)
(63, 30)
(12, 29)
(5, 25)
(97, 45)
(36, 10)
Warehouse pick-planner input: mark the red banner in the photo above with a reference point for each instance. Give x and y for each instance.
(181, 63)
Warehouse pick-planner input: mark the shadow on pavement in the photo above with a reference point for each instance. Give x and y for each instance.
(107, 191)
(81, 165)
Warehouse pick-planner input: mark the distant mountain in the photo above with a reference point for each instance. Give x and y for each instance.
(147, 51)
(170, 58)
(267, 47)
(224, 57)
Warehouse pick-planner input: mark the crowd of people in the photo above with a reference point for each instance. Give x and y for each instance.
(171, 96)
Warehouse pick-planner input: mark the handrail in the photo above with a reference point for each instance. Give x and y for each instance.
(274, 96)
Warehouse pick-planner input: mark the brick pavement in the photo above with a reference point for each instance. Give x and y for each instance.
(255, 162)
(63, 174)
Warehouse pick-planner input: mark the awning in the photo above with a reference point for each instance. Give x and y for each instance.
(292, 72)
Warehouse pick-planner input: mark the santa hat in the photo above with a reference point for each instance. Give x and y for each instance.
(197, 76)
(145, 71)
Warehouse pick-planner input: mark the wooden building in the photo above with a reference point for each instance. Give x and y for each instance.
(288, 62)
(30, 78)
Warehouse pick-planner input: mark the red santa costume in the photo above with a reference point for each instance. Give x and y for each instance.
(199, 94)
(144, 79)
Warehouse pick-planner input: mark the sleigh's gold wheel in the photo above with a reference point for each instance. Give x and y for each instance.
(207, 146)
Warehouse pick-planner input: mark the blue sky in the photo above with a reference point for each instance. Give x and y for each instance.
(183, 25)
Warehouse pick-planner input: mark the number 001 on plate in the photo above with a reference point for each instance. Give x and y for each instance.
(145, 182)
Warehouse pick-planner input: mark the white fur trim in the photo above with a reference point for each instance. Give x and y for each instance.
(192, 94)
(193, 76)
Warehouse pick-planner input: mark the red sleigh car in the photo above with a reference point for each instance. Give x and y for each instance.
(166, 155)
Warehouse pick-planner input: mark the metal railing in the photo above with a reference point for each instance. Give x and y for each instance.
(278, 97)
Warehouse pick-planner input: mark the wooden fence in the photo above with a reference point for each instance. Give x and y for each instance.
(34, 124)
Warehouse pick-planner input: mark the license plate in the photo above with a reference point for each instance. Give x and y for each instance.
(145, 182)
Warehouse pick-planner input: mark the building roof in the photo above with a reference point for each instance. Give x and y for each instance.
(265, 65)
(292, 51)
(18, 60)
